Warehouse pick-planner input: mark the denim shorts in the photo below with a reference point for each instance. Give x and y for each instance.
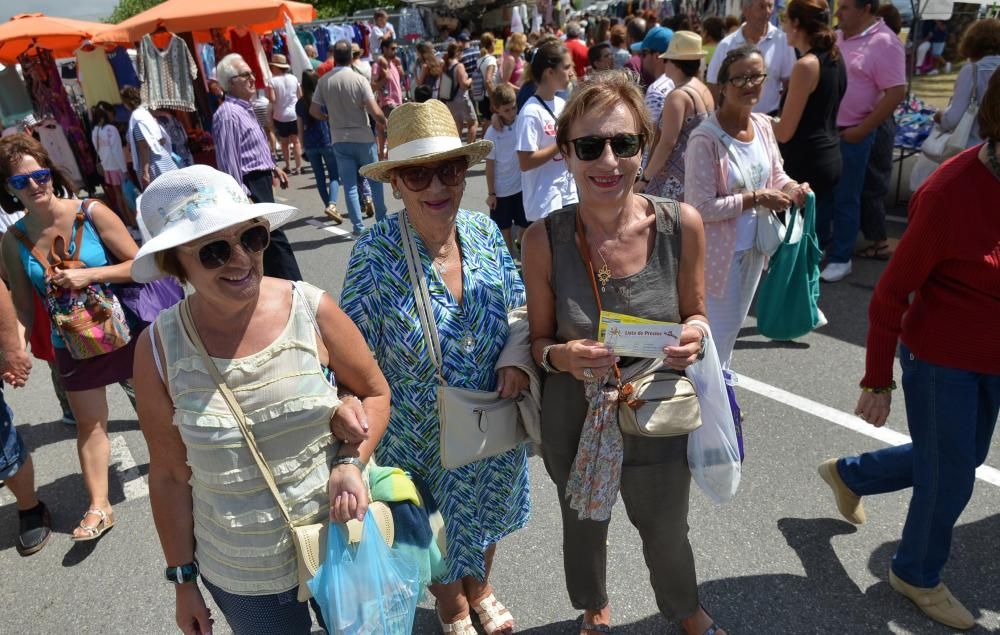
(13, 454)
(277, 614)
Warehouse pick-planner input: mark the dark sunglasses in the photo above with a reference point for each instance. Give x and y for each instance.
(217, 253)
(623, 145)
(742, 81)
(20, 181)
(418, 178)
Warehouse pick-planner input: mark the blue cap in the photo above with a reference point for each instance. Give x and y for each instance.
(657, 39)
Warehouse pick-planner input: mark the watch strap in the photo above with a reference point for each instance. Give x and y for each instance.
(183, 574)
(349, 460)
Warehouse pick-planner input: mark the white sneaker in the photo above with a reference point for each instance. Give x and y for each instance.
(835, 271)
(821, 321)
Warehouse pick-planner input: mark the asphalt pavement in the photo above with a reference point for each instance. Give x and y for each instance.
(776, 559)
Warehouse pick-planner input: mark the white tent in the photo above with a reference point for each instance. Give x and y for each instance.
(941, 9)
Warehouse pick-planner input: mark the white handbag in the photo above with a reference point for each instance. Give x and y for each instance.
(475, 424)
(941, 145)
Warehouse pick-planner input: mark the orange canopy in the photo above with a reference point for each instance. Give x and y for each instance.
(61, 35)
(180, 16)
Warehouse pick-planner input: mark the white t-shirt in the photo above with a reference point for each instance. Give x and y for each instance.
(376, 35)
(286, 93)
(482, 65)
(108, 143)
(548, 187)
(779, 58)
(756, 164)
(506, 170)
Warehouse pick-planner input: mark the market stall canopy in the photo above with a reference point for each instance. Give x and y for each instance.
(941, 9)
(60, 35)
(181, 16)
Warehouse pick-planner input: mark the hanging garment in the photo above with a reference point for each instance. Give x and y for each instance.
(516, 26)
(123, 68)
(54, 139)
(296, 53)
(167, 76)
(243, 43)
(97, 77)
(41, 77)
(206, 54)
(323, 43)
(262, 59)
(15, 104)
(178, 137)
(220, 43)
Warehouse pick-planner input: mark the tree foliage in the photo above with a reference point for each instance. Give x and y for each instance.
(125, 9)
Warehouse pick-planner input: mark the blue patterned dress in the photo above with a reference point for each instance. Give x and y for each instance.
(484, 501)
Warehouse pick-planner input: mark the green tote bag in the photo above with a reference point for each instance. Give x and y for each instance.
(787, 302)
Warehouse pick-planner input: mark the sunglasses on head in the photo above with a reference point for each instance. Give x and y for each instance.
(20, 181)
(418, 178)
(742, 81)
(623, 145)
(215, 254)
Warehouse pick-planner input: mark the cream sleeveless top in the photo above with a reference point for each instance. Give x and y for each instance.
(242, 543)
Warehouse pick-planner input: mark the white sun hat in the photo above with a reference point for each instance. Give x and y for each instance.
(184, 205)
(423, 133)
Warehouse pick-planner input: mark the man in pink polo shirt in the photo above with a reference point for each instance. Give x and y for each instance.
(876, 84)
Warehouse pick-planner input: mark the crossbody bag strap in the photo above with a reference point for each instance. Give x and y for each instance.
(234, 406)
(585, 254)
(723, 135)
(421, 296)
(30, 246)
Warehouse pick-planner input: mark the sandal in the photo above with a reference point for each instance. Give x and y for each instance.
(462, 626)
(604, 629)
(98, 530)
(493, 615)
(875, 251)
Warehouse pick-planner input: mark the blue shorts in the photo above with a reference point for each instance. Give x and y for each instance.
(13, 454)
(277, 614)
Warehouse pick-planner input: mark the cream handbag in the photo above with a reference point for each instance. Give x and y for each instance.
(309, 540)
(475, 424)
(659, 403)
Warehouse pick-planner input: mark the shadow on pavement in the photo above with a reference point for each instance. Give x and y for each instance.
(41, 434)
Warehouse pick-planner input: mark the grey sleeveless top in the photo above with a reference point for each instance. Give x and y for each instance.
(650, 293)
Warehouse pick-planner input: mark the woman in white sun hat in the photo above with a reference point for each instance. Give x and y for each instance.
(472, 284)
(274, 343)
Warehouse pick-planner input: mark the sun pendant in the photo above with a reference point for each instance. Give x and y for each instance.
(468, 343)
(604, 275)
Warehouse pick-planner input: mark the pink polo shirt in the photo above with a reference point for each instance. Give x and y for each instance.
(875, 63)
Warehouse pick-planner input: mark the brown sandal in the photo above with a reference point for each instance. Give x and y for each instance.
(98, 530)
(875, 251)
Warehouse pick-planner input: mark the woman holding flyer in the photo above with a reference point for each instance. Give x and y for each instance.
(639, 256)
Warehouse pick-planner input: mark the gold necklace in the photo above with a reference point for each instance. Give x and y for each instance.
(604, 273)
(439, 262)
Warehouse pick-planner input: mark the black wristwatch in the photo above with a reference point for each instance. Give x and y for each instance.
(182, 574)
(701, 349)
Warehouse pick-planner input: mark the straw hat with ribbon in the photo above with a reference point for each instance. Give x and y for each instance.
(685, 45)
(423, 133)
(279, 61)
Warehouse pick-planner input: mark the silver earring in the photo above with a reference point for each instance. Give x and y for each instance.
(396, 194)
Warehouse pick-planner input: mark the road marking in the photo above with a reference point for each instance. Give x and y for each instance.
(280, 199)
(133, 484)
(896, 219)
(336, 231)
(843, 419)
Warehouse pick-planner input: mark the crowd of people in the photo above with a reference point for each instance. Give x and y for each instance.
(630, 167)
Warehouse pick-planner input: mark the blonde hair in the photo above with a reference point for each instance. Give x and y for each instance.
(517, 42)
(602, 91)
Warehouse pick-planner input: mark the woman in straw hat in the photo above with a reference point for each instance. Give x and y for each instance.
(472, 283)
(283, 90)
(685, 108)
(274, 344)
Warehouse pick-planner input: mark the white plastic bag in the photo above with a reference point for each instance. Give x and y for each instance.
(713, 452)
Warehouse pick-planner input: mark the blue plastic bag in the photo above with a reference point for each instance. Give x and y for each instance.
(366, 589)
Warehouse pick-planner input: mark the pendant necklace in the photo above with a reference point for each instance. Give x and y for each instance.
(604, 273)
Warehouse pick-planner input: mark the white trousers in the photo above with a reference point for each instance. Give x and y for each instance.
(727, 312)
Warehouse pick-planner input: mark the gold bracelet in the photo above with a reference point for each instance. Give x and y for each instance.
(879, 391)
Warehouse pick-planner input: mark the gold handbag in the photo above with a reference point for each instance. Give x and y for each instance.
(654, 402)
(309, 540)
(475, 424)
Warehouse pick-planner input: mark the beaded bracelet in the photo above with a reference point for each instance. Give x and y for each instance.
(879, 391)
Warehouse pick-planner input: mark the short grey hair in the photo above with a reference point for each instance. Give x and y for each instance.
(226, 69)
(573, 31)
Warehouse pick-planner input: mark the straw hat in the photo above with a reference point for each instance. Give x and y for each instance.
(184, 205)
(279, 61)
(685, 45)
(423, 133)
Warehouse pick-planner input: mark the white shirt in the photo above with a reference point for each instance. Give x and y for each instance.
(286, 93)
(506, 169)
(779, 58)
(756, 165)
(656, 94)
(108, 143)
(376, 35)
(548, 187)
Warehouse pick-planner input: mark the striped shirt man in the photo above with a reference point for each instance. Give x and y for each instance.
(240, 143)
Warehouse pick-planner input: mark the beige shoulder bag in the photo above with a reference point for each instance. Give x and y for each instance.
(309, 540)
(475, 424)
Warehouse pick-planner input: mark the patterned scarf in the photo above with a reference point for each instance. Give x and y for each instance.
(594, 481)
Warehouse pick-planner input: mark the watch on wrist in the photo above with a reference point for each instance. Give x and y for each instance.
(701, 347)
(182, 574)
(546, 364)
(348, 460)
